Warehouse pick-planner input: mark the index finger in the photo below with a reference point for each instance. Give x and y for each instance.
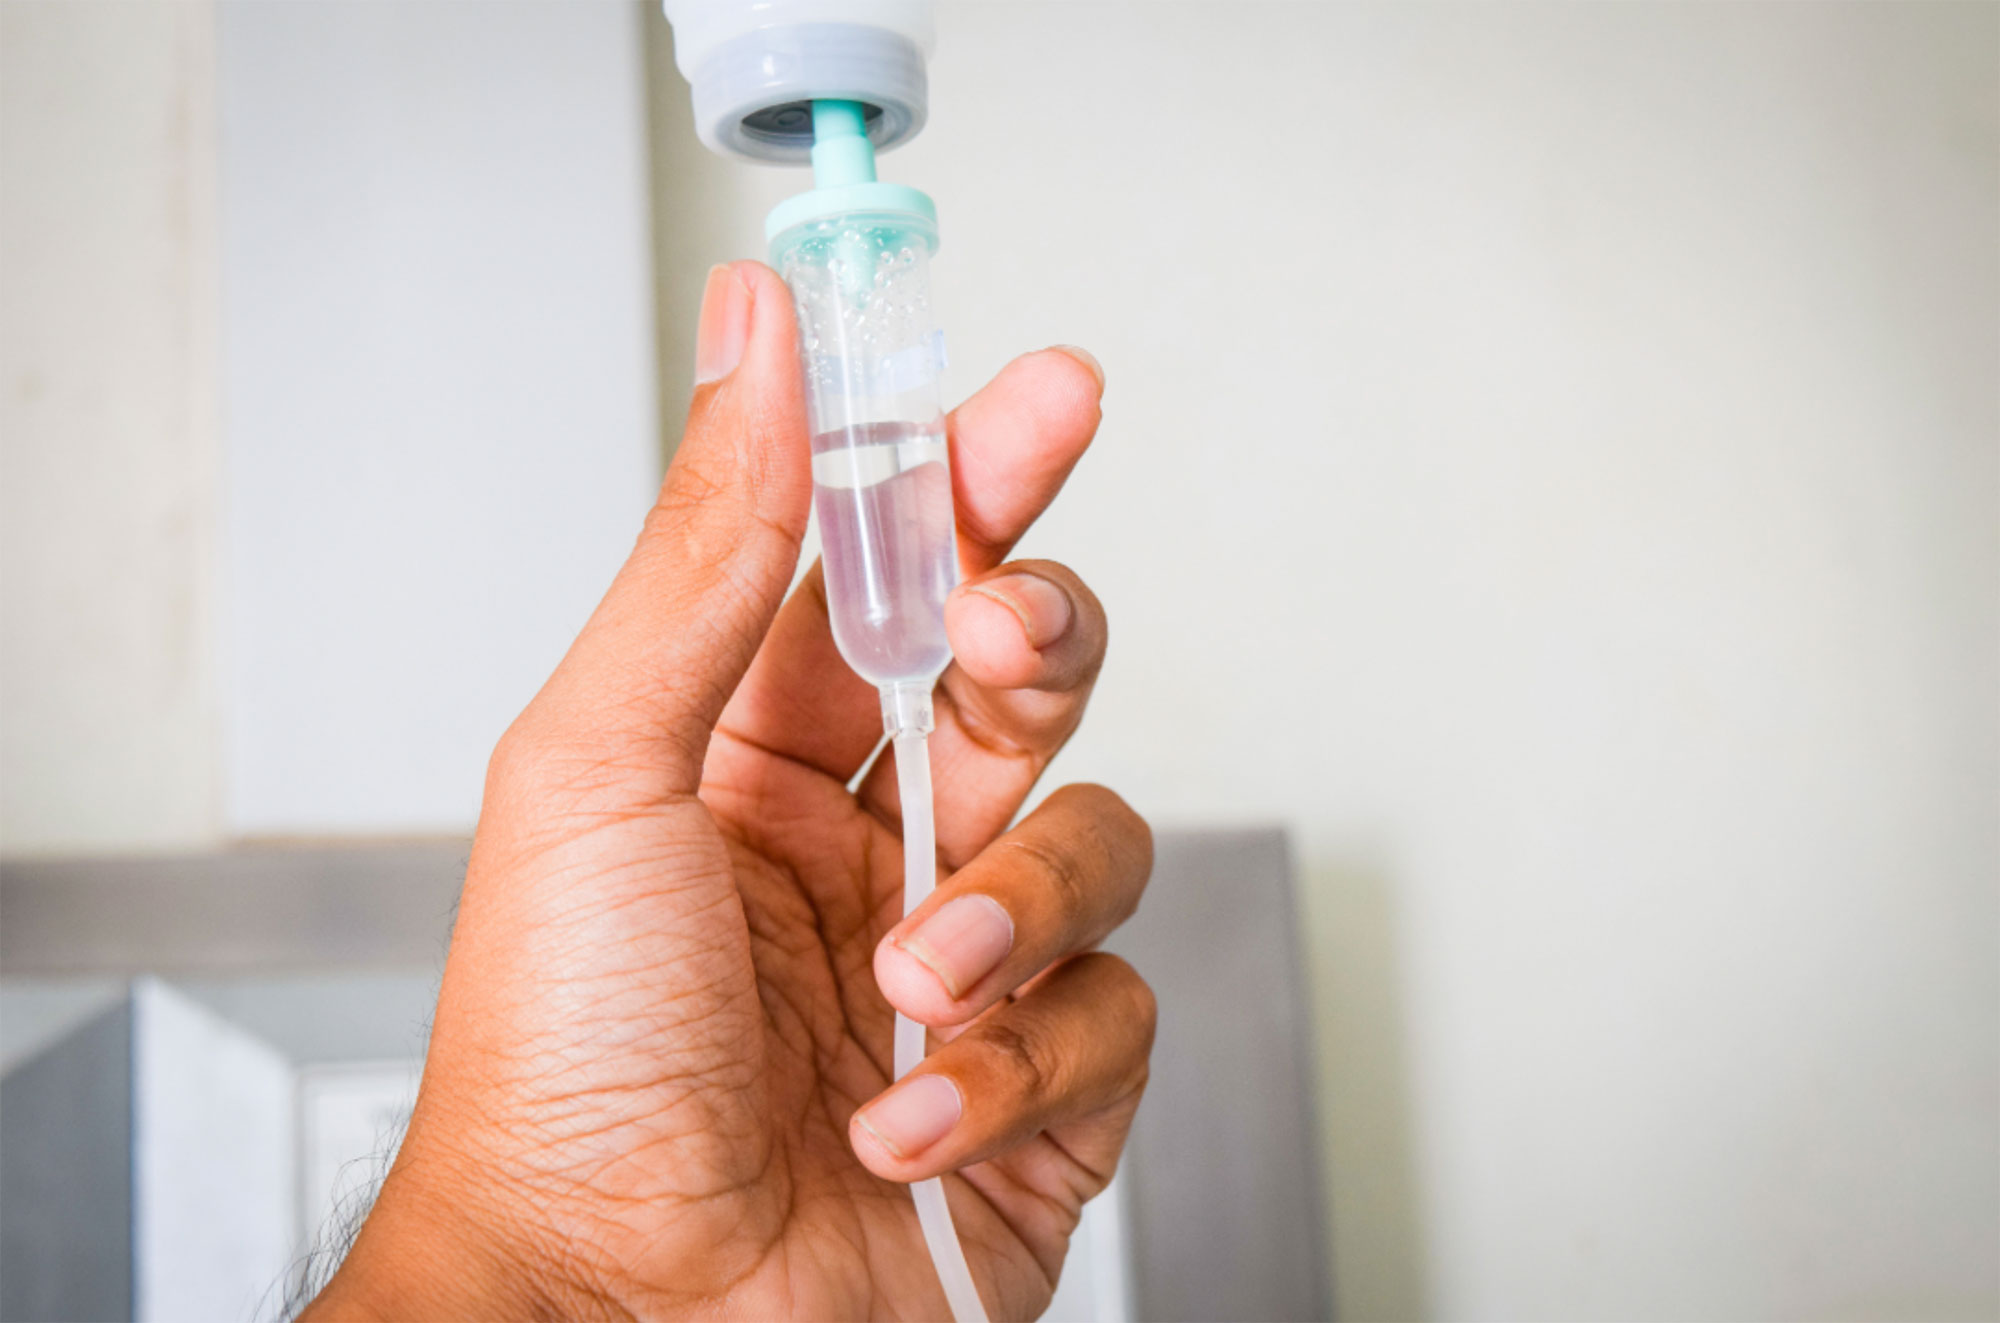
(1012, 446)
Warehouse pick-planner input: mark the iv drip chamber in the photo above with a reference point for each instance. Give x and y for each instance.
(881, 468)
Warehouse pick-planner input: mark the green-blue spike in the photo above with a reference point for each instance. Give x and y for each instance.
(841, 153)
(844, 179)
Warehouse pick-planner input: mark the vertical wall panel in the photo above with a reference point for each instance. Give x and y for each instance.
(107, 426)
(441, 416)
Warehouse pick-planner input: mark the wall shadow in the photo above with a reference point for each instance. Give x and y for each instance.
(1367, 1107)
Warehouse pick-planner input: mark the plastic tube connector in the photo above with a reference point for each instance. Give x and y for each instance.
(906, 710)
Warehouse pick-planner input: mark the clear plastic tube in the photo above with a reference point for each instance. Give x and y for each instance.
(882, 492)
(913, 776)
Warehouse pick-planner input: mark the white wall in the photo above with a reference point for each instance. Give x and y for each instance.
(107, 425)
(1552, 461)
(442, 428)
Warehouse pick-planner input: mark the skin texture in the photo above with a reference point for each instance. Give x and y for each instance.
(667, 1006)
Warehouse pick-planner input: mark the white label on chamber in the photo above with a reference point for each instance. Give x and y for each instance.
(864, 466)
(912, 367)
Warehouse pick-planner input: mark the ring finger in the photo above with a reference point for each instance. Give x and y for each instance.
(1069, 1056)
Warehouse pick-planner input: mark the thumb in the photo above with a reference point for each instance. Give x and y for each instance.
(667, 645)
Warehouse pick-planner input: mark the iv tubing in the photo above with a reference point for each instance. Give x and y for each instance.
(844, 176)
(910, 724)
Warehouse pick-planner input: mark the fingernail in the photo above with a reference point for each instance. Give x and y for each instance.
(1043, 608)
(963, 942)
(1088, 359)
(914, 1115)
(724, 328)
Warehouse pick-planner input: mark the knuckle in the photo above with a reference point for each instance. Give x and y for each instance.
(685, 490)
(1144, 1009)
(1058, 872)
(1134, 832)
(1085, 799)
(1123, 839)
(978, 725)
(521, 754)
(1017, 1055)
(1138, 833)
(1105, 804)
(557, 759)
(1123, 990)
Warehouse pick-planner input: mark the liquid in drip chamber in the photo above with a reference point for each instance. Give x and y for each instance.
(883, 492)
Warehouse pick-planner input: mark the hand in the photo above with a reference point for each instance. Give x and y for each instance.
(656, 1076)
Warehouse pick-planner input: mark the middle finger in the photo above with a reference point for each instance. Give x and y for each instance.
(1055, 885)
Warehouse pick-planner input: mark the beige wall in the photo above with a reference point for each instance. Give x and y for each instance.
(312, 322)
(1551, 462)
(107, 425)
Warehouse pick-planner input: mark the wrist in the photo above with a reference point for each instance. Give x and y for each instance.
(425, 1251)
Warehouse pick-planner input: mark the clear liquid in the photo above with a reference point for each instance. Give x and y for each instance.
(883, 492)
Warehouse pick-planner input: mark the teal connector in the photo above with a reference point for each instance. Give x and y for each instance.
(841, 153)
(844, 180)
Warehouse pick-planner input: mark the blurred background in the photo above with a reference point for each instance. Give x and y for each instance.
(1550, 469)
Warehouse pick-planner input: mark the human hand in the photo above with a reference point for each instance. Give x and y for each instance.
(656, 1076)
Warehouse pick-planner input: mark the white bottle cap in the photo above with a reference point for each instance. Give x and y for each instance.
(756, 68)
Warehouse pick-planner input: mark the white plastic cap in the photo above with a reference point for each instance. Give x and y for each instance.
(755, 67)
